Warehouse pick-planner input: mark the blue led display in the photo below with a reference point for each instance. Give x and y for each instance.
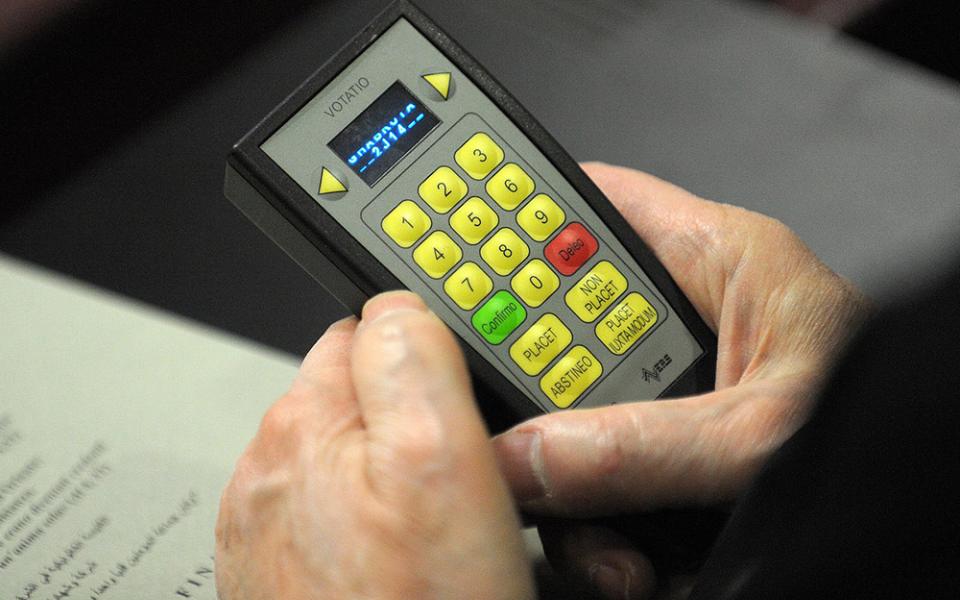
(383, 133)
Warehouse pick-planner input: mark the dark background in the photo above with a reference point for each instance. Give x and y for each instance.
(116, 116)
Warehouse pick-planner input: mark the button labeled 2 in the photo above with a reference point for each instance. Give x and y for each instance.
(443, 189)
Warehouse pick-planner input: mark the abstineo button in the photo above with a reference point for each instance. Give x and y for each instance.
(571, 248)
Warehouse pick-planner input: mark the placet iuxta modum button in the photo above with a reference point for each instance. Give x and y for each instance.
(627, 323)
(571, 376)
(330, 184)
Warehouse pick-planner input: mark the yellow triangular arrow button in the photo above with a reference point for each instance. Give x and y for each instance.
(329, 184)
(440, 82)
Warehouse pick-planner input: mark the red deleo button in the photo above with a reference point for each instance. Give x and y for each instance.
(569, 250)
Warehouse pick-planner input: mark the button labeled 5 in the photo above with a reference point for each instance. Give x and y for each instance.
(443, 189)
(504, 251)
(468, 285)
(437, 254)
(535, 283)
(479, 155)
(510, 186)
(541, 217)
(406, 223)
(474, 220)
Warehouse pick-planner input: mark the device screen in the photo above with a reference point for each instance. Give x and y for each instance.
(383, 133)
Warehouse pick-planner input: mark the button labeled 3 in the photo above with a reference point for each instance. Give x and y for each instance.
(479, 155)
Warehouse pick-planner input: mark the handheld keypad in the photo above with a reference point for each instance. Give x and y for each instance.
(403, 164)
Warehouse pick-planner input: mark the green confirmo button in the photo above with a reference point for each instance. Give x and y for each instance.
(499, 317)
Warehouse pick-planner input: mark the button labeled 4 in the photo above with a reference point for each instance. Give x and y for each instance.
(437, 254)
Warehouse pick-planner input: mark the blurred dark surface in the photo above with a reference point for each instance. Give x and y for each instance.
(115, 121)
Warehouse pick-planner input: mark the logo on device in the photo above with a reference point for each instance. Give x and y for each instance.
(658, 367)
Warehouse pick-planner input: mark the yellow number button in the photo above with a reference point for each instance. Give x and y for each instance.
(443, 189)
(545, 339)
(504, 251)
(468, 285)
(479, 155)
(628, 322)
(541, 217)
(474, 220)
(406, 223)
(510, 186)
(437, 254)
(535, 282)
(590, 296)
(571, 376)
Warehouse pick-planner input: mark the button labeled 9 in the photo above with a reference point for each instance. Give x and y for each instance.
(541, 217)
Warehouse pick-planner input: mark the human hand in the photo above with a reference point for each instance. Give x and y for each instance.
(780, 315)
(373, 477)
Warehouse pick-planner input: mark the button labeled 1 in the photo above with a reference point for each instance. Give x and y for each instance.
(406, 223)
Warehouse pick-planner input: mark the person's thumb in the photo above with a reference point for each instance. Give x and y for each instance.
(630, 457)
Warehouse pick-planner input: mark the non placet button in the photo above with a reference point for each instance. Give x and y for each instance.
(596, 291)
(535, 283)
(499, 317)
(474, 220)
(479, 155)
(504, 251)
(571, 376)
(540, 217)
(437, 254)
(443, 189)
(623, 326)
(571, 248)
(406, 223)
(468, 285)
(540, 344)
(510, 186)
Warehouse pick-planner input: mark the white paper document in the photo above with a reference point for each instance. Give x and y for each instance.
(119, 426)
